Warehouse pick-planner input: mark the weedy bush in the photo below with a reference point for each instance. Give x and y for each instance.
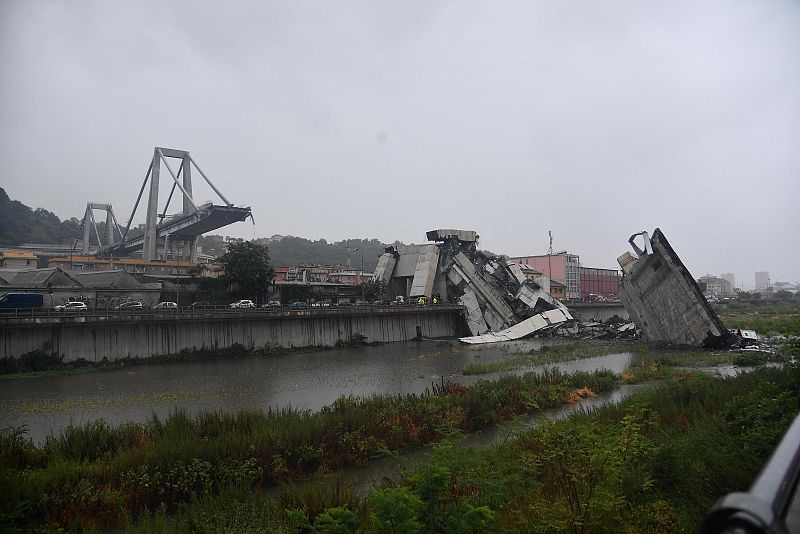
(103, 474)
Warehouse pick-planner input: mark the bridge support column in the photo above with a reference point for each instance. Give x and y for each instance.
(150, 251)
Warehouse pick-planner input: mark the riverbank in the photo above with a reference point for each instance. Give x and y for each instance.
(96, 475)
(654, 463)
(40, 363)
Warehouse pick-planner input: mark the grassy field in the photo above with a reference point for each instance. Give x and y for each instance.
(96, 476)
(652, 464)
(786, 323)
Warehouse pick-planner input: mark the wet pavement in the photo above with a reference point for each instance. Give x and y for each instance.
(308, 380)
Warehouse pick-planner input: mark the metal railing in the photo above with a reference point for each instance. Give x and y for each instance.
(763, 509)
(200, 311)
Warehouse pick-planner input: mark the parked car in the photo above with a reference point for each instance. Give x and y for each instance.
(399, 300)
(166, 306)
(242, 304)
(130, 305)
(273, 304)
(201, 305)
(71, 307)
(362, 303)
(299, 306)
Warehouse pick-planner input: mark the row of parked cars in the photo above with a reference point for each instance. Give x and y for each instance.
(135, 305)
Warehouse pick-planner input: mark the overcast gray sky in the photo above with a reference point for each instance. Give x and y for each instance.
(386, 119)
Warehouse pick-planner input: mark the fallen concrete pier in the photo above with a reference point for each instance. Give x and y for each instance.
(663, 299)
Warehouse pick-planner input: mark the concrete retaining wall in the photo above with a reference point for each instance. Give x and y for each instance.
(139, 337)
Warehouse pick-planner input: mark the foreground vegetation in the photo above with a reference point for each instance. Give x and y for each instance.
(95, 475)
(766, 324)
(653, 464)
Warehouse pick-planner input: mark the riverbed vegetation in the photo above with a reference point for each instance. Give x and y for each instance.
(769, 322)
(554, 354)
(654, 463)
(97, 475)
(785, 323)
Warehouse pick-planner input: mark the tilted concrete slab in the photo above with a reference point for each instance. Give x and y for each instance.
(663, 299)
(516, 272)
(473, 316)
(525, 328)
(425, 273)
(484, 290)
(530, 297)
(451, 233)
(385, 267)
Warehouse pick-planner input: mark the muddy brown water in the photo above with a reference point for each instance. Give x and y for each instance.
(308, 380)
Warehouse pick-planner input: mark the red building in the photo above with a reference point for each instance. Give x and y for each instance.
(602, 282)
(559, 267)
(281, 274)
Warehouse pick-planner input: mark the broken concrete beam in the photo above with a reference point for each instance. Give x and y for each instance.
(425, 272)
(530, 297)
(443, 235)
(516, 271)
(385, 267)
(663, 299)
(473, 315)
(484, 290)
(525, 328)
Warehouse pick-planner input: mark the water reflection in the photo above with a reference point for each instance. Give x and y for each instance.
(302, 380)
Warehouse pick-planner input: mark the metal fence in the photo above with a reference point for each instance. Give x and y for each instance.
(204, 311)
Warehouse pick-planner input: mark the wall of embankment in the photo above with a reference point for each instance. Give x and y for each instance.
(113, 337)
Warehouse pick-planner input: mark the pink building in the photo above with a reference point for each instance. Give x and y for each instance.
(560, 267)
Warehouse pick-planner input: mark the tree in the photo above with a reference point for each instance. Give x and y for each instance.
(247, 266)
(373, 289)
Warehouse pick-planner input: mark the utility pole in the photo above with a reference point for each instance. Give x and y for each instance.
(549, 264)
(361, 276)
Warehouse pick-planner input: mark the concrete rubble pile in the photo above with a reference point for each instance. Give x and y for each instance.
(500, 303)
(663, 299)
(596, 330)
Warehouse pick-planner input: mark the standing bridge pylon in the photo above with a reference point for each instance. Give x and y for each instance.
(174, 235)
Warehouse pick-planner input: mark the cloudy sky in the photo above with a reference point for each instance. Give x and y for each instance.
(386, 119)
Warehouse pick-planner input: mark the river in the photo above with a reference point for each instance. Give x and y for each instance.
(304, 380)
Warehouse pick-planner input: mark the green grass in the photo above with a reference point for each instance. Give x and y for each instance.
(767, 322)
(97, 475)
(654, 463)
(556, 353)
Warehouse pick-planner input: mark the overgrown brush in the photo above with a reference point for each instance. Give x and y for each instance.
(103, 474)
(654, 463)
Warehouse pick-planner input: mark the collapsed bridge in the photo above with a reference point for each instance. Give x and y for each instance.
(175, 234)
(499, 302)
